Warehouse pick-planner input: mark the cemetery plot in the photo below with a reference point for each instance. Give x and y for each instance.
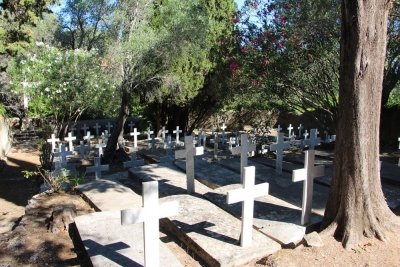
(214, 234)
(108, 243)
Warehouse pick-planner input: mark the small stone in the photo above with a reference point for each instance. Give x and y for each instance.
(313, 240)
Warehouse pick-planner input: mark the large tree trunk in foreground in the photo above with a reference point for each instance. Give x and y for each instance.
(356, 204)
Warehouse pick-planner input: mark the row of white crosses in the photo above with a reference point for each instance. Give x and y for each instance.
(97, 127)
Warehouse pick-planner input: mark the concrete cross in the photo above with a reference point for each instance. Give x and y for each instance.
(204, 140)
(169, 142)
(243, 149)
(63, 153)
(100, 146)
(84, 128)
(97, 127)
(69, 139)
(279, 128)
(57, 168)
(105, 135)
(307, 175)
(131, 124)
(279, 146)
(72, 129)
(135, 134)
(223, 133)
(82, 149)
(97, 168)
(133, 163)
(215, 145)
(149, 215)
(177, 132)
(163, 132)
(327, 137)
(212, 129)
(290, 128)
(200, 138)
(53, 141)
(88, 137)
(300, 128)
(109, 126)
(313, 141)
(149, 133)
(153, 143)
(306, 134)
(247, 194)
(189, 152)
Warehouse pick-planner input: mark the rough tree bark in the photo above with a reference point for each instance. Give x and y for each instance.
(356, 203)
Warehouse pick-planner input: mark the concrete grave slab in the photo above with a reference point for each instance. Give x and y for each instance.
(214, 234)
(109, 194)
(211, 174)
(108, 243)
(171, 180)
(274, 217)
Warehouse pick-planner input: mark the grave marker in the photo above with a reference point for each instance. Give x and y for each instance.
(135, 134)
(279, 146)
(279, 128)
(106, 135)
(247, 194)
(223, 133)
(149, 215)
(84, 128)
(69, 139)
(131, 124)
(63, 153)
(215, 145)
(204, 140)
(97, 168)
(82, 149)
(53, 141)
(153, 143)
(109, 126)
(97, 127)
(314, 140)
(163, 132)
(243, 149)
(100, 146)
(300, 128)
(72, 130)
(290, 128)
(307, 175)
(212, 129)
(88, 138)
(133, 163)
(189, 152)
(177, 132)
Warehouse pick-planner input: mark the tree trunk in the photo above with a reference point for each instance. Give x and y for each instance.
(118, 129)
(356, 203)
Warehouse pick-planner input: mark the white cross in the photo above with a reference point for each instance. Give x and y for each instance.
(204, 140)
(247, 194)
(73, 129)
(290, 128)
(149, 133)
(279, 128)
(163, 132)
(149, 215)
(153, 143)
(63, 154)
(88, 137)
(305, 135)
(53, 141)
(212, 129)
(177, 131)
(223, 133)
(82, 149)
(189, 152)
(314, 140)
(135, 134)
(131, 124)
(97, 168)
(279, 146)
(84, 128)
(243, 149)
(106, 136)
(100, 146)
(307, 175)
(109, 126)
(199, 138)
(300, 128)
(97, 127)
(327, 137)
(69, 139)
(133, 163)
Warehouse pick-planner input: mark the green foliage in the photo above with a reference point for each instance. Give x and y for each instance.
(2, 109)
(394, 98)
(77, 179)
(63, 84)
(52, 180)
(16, 20)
